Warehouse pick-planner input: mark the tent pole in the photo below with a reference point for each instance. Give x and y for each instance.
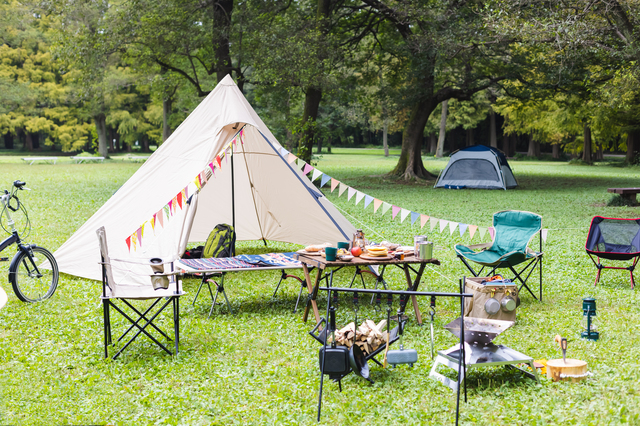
(233, 199)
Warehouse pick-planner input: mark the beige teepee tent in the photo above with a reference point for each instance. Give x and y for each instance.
(268, 198)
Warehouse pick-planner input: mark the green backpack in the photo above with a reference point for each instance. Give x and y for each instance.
(221, 242)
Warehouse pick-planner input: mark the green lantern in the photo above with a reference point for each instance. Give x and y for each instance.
(588, 319)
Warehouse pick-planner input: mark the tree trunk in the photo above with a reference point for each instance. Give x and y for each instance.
(222, 12)
(493, 139)
(599, 152)
(433, 143)
(145, 144)
(8, 141)
(506, 145)
(586, 146)
(469, 141)
(319, 146)
(633, 145)
(410, 163)
(166, 113)
(555, 151)
(329, 142)
(310, 115)
(443, 129)
(385, 144)
(28, 142)
(514, 145)
(35, 137)
(101, 129)
(534, 147)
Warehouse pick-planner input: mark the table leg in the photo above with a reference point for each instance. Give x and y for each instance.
(413, 286)
(313, 292)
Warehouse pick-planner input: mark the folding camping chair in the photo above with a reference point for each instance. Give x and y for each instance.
(613, 239)
(513, 232)
(142, 321)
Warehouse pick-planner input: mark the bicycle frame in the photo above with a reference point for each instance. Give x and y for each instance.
(14, 238)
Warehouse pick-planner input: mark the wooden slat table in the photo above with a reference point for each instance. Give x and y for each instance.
(320, 263)
(627, 194)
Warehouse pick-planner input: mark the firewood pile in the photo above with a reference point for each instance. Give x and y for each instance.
(369, 335)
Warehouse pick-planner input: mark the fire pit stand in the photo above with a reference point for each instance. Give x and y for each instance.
(479, 351)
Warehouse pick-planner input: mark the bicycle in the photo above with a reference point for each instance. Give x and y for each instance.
(31, 281)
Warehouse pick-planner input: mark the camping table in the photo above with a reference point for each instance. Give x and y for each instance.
(309, 262)
(220, 266)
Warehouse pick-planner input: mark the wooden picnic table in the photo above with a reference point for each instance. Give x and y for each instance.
(311, 261)
(627, 194)
(32, 160)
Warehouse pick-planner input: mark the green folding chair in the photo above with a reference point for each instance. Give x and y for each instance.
(514, 230)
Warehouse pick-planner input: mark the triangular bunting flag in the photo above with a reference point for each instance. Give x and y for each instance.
(443, 224)
(142, 232)
(376, 204)
(283, 152)
(316, 174)
(197, 182)
(160, 217)
(324, 180)
(350, 193)
(153, 223)
(452, 227)
(414, 217)
(291, 158)
(185, 194)
(203, 178)
(462, 227)
(482, 231)
(128, 240)
(492, 232)
(423, 220)
(170, 205)
(433, 222)
(334, 183)
(394, 211)
(307, 169)
(403, 214)
(179, 198)
(301, 163)
(212, 167)
(385, 207)
(359, 197)
(134, 241)
(544, 234)
(139, 235)
(219, 161)
(472, 230)
(367, 200)
(343, 187)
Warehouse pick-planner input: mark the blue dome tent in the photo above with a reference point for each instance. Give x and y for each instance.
(478, 167)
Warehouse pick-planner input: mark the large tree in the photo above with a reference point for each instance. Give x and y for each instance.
(449, 53)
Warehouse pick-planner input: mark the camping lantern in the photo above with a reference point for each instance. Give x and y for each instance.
(588, 319)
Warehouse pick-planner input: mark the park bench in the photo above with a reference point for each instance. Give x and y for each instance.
(80, 159)
(627, 194)
(136, 158)
(32, 160)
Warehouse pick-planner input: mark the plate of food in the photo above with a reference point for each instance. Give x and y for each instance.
(366, 256)
(314, 249)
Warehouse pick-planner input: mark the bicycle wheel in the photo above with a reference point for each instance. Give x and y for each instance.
(31, 282)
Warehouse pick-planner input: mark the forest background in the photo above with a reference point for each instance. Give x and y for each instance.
(556, 79)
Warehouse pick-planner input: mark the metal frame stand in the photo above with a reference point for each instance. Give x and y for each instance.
(413, 294)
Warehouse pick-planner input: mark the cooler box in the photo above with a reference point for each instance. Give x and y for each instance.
(482, 293)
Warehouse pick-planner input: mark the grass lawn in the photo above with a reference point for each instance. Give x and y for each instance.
(260, 366)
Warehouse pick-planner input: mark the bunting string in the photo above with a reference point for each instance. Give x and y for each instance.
(397, 212)
(165, 214)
